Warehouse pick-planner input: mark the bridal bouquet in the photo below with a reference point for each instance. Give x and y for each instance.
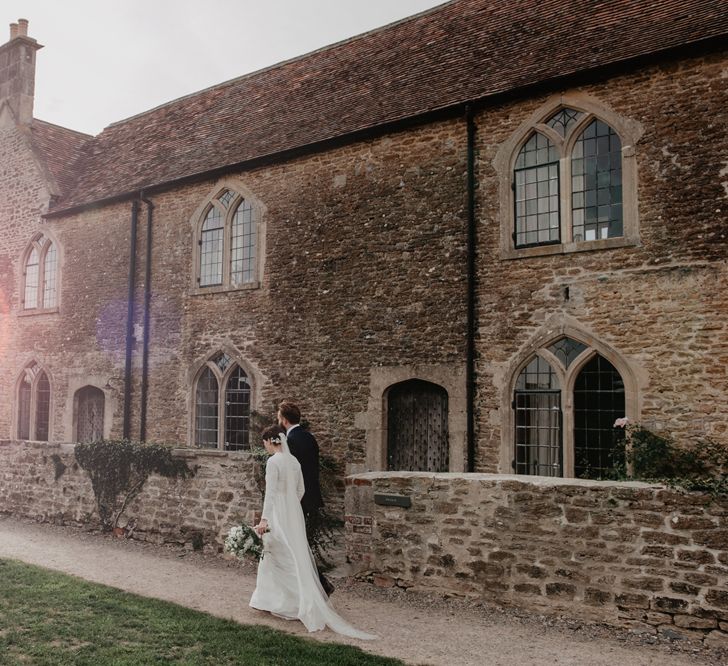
(243, 541)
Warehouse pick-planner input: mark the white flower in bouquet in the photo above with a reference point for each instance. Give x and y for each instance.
(242, 541)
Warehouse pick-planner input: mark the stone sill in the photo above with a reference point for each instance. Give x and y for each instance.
(193, 452)
(568, 248)
(34, 312)
(223, 289)
(474, 477)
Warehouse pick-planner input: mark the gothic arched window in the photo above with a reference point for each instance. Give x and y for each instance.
(40, 275)
(34, 403)
(569, 180)
(223, 402)
(565, 401)
(576, 157)
(228, 242)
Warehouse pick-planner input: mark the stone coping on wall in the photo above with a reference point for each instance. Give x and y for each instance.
(180, 452)
(361, 479)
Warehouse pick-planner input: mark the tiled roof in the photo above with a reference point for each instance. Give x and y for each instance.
(59, 148)
(463, 50)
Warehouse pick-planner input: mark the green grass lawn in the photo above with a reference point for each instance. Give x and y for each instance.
(50, 618)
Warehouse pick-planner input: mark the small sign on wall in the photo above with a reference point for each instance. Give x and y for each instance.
(393, 500)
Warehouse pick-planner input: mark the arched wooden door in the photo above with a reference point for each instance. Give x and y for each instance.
(90, 414)
(417, 432)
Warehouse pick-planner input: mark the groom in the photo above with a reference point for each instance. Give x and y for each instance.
(304, 447)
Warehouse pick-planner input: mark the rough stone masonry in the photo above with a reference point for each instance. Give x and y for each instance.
(641, 556)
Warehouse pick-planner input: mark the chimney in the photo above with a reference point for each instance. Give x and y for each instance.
(17, 72)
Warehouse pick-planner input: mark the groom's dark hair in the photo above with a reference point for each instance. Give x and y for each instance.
(272, 432)
(290, 412)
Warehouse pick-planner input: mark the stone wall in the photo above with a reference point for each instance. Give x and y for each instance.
(43, 482)
(641, 556)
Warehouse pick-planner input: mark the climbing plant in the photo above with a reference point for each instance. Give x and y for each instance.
(118, 470)
(644, 455)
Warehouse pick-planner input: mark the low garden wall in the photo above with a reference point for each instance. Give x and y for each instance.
(630, 554)
(42, 481)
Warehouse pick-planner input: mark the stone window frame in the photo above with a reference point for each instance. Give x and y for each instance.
(632, 376)
(33, 401)
(240, 192)
(36, 242)
(373, 421)
(255, 381)
(629, 132)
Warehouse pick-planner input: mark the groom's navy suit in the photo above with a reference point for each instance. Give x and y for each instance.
(304, 447)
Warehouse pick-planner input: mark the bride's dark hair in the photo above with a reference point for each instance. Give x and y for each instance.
(272, 432)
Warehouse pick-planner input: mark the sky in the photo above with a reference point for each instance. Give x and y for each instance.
(106, 60)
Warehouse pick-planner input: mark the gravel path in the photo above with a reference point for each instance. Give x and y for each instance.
(414, 628)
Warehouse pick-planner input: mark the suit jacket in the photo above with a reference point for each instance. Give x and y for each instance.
(304, 447)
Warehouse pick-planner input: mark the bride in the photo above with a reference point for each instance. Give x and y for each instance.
(288, 585)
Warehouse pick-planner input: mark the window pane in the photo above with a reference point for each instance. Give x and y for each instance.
(598, 403)
(211, 248)
(42, 407)
(566, 350)
(237, 411)
(243, 248)
(31, 281)
(562, 121)
(206, 410)
(24, 409)
(225, 198)
(536, 187)
(49, 277)
(597, 198)
(537, 375)
(538, 433)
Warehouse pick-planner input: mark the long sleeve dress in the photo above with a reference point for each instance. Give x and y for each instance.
(287, 584)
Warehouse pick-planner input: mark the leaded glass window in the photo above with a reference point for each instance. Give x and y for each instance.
(226, 197)
(222, 361)
(32, 272)
(562, 121)
(537, 404)
(211, 248)
(40, 275)
(536, 190)
(24, 394)
(237, 411)
(34, 402)
(49, 277)
(567, 182)
(42, 407)
(598, 402)
(566, 350)
(242, 254)
(228, 243)
(223, 403)
(206, 410)
(587, 448)
(596, 183)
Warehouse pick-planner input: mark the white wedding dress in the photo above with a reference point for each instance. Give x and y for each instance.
(288, 585)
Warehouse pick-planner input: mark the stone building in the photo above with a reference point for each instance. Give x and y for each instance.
(467, 241)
